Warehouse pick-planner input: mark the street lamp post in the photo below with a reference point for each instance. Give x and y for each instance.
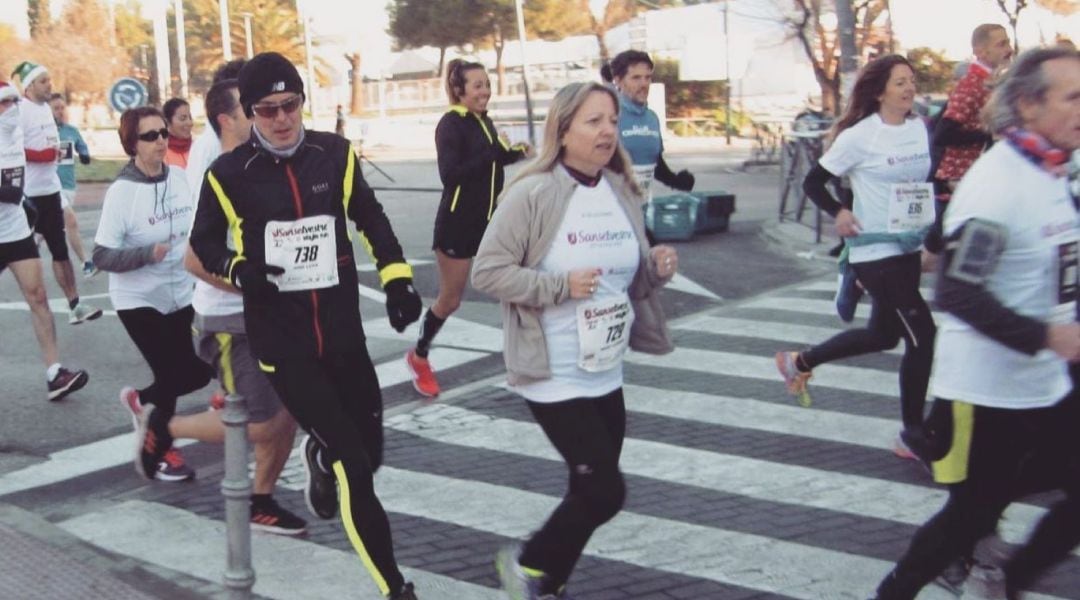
(525, 71)
(226, 36)
(181, 46)
(727, 74)
(247, 34)
(307, 54)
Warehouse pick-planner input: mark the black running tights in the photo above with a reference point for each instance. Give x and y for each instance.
(588, 433)
(337, 400)
(899, 311)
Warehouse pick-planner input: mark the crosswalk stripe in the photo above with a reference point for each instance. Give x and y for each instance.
(754, 478)
(829, 285)
(769, 330)
(715, 362)
(285, 568)
(809, 305)
(752, 561)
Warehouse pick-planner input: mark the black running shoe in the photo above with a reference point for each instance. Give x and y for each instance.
(66, 382)
(268, 516)
(320, 489)
(406, 593)
(152, 441)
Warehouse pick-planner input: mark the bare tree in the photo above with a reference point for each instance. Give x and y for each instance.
(1013, 15)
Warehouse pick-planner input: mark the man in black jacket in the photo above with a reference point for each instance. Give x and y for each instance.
(282, 201)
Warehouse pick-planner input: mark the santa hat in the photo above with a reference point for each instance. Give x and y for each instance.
(27, 72)
(8, 91)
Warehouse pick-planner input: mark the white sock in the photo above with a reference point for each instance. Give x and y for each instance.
(52, 371)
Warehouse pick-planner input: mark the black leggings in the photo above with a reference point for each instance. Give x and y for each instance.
(337, 400)
(165, 343)
(898, 311)
(588, 433)
(1012, 453)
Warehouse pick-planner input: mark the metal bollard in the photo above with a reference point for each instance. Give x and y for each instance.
(236, 487)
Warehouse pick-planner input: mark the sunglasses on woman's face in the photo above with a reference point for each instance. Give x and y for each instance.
(269, 110)
(154, 134)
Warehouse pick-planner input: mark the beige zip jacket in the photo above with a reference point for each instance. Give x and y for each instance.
(520, 234)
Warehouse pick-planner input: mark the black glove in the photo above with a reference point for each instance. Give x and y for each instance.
(84, 159)
(251, 279)
(684, 181)
(402, 303)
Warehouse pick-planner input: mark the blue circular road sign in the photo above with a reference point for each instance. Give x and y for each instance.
(127, 93)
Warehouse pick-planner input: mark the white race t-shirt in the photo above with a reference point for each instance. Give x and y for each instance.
(595, 232)
(1035, 208)
(13, 225)
(39, 133)
(875, 156)
(208, 300)
(138, 214)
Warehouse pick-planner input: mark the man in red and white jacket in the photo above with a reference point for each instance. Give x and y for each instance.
(41, 141)
(960, 133)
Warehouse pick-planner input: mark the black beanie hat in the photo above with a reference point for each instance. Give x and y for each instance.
(267, 73)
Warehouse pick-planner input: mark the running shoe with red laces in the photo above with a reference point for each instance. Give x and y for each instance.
(174, 468)
(268, 516)
(129, 397)
(423, 378)
(65, 383)
(794, 378)
(153, 440)
(217, 401)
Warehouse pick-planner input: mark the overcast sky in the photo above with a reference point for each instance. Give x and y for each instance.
(940, 24)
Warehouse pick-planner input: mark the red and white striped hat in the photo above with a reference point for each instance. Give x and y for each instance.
(8, 91)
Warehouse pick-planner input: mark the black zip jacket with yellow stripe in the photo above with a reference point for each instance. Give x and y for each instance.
(246, 188)
(471, 159)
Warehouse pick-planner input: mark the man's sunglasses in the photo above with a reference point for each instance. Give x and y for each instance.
(6, 101)
(153, 135)
(269, 110)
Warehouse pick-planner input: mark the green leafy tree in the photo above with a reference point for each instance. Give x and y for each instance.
(439, 23)
(687, 98)
(274, 28)
(933, 72)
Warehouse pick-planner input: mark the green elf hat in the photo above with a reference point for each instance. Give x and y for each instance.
(27, 72)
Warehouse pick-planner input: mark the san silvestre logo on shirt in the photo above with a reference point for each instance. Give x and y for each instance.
(172, 214)
(907, 158)
(641, 130)
(598, 237)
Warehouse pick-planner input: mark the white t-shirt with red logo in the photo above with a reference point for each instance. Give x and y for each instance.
(39, 133)
(595, 232)
(876, 155)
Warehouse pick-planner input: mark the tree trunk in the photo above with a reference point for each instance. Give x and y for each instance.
(500, 69)
(356, 85)
(442, 61)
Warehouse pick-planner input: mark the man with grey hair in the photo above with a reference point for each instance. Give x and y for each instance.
(1004, 421)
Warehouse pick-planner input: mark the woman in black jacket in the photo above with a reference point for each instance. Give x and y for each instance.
(471, 156)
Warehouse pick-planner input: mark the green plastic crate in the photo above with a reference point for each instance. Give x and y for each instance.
(672, 218)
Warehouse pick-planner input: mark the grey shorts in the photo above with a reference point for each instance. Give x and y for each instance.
(222, 343)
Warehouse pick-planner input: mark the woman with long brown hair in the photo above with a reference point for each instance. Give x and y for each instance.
(885, 151)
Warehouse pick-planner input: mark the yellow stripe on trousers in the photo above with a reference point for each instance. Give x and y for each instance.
(345, 504)
(228, 380)
(953, 468)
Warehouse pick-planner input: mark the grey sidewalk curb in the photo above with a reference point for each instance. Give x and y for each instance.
(145, 578)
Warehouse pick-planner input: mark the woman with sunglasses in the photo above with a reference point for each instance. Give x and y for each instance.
(471, 156)
(178, 119)
(140, 242)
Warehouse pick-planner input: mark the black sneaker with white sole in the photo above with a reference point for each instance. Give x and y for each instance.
(66, 382)
(320, 487)
(268, 516)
